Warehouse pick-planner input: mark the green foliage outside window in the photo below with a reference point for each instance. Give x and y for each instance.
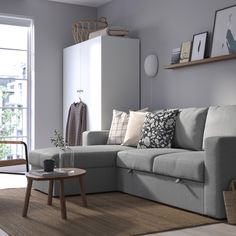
(9, 120)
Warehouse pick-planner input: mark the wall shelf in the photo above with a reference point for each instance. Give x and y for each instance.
(203, 61)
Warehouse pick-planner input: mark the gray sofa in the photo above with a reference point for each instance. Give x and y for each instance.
(190, 175)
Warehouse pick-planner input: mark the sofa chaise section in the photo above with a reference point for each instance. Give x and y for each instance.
(98, 160)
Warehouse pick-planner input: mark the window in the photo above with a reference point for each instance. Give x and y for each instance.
(16, 76)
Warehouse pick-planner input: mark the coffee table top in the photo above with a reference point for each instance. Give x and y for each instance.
(62, 173)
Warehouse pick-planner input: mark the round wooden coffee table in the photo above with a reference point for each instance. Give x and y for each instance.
(70, 173)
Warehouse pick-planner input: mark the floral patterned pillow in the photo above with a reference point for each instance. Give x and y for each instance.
(158, 129)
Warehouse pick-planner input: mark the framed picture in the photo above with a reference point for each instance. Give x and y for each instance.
(185, 51)
(224, 32)
(199, 45)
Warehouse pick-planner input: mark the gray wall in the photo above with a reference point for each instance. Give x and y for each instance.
(53, 22)
(162, 25)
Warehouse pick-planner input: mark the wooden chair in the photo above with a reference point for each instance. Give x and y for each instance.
(14, 162)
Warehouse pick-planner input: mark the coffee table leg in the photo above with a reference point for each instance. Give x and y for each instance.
(50, 188)
(84, 199)
(62, 200)
(27, 197)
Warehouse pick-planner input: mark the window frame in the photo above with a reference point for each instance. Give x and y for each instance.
(27, 22)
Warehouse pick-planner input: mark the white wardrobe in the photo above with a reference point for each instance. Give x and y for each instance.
(106, 71)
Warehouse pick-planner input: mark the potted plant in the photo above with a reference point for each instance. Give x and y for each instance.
(66, 154)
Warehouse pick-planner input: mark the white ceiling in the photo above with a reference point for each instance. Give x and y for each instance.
(90, 3)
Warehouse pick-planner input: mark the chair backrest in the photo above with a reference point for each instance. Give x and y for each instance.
(17, 161)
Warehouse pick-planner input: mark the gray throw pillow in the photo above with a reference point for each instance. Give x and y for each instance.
(220, 122)
(190, 124)
(158, 129)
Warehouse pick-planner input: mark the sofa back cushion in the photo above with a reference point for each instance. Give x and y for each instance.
(189, 128)
(221, 121)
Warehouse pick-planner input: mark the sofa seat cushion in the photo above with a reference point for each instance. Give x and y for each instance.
(142, 159)
(186, 165)
(84, 156)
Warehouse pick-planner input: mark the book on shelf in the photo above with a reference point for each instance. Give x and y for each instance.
(185, 51)
(43, 173)
(175, 56)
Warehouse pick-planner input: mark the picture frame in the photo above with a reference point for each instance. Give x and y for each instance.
(185, 51)
(199, 46)
(224, 32)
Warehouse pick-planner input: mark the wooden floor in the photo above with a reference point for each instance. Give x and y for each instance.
(208, 230)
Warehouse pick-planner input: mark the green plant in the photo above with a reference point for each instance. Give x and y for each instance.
(9, 120)
(58, 140)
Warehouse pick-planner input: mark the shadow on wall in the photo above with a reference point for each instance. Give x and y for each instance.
(197, 86)
(149, 41)
(201, 86)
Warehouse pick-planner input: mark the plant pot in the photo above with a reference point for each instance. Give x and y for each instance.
(48, 165)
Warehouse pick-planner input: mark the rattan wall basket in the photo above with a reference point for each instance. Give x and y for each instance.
(83, 28)
(230, 203)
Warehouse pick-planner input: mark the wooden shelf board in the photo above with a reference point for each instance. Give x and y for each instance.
(203, 61)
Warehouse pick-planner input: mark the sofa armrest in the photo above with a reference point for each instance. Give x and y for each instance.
(220, 168)
(95, 137)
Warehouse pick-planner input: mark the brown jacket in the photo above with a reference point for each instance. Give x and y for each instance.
(76, 124)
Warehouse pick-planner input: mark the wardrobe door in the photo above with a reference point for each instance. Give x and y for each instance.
(91, 81)
(71, 79)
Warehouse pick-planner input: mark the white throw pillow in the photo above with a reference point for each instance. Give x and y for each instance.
(134, 128)
(118, 127)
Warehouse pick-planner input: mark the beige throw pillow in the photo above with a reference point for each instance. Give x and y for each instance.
(134, 128)
(118, 126)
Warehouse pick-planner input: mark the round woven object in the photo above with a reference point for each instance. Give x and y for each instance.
(230, 203)
(83, 28)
